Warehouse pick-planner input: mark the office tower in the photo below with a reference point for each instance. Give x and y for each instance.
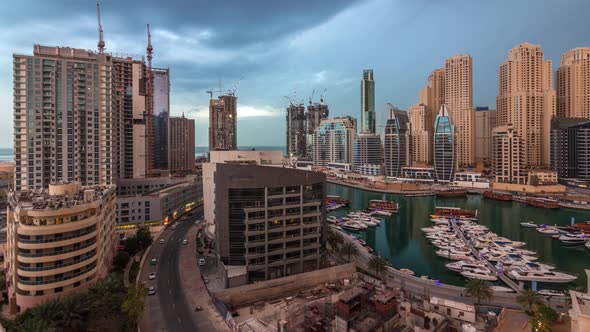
(269, 224)
(397, 142)
(61, 240)
(62, 118)
(420, 134)
(366, 154)
(485, 121)
(527, 102)
(333, 141)
(316, 112)
(222, 123)
(161, 83)
(444, 146)
(572, 84)
(368, 102)
(296, 131)
(182, 146)
(570, 147)
(459, 101)
(508, 156)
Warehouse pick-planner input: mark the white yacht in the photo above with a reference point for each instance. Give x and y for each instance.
(351, 225)
(532, 266)
(464, 265)
(510, 259)
(529, 224)
(548, 230)
(570, 238)
(480, 273)
(587, 245)
(501, 289)
(551, 292)
(521, 274)
(454, 255)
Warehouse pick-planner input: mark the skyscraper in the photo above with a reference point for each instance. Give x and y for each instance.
(444, 146)
(316, 112)
(527, 102)
(572, 84)
(222, 123)
(296, 131)
(570, 147)
(397, 143)
(485, 121)
(459, 101)
(161, 83)
(367, 102)
(333, 141)
(182, 146)
(366, 154)
(436, 95)
(420, 134)
(508, 156)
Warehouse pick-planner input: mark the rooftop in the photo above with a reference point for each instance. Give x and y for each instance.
(451, 304)
(350, 294)
(384, 297)
(59, 196)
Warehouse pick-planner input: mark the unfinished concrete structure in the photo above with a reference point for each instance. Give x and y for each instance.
(222, 123)
(296, 131)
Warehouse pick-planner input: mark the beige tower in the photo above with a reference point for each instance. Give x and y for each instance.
(459, 101)
(527, 102)
(572, 84)
(182, 146)
(508, 159)
(436, 93)
(421, 134)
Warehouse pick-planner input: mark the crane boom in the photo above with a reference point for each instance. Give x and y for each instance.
(101, 42)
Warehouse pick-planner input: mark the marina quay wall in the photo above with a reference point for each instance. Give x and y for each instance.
(274, 288)
(556, 188)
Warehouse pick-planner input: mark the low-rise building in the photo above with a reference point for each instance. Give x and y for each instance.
(60, 241)
(451, 309)
(580, 311)
(542, 177)
(418, 173)
(255, 157)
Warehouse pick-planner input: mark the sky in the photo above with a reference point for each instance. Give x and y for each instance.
(284, 48)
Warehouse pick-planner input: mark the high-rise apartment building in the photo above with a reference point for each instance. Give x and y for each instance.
(508, 156)
(366, 154)
(436, 94)
(333, 141)
(572, 84)
(296, 131)
(444, 146)
(223, 119)
(485, 121)
(459, 101)
(60, 240)
(397, 142)
(161, 84)
(527, 102)
(368, 102)
(182, 146)
(420, 134)
(570, 147)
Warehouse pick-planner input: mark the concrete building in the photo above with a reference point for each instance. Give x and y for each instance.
(316, 112)
(485, 121)
(333, 141)
(368, 102)
(182, 146)
(161, 117)
(542, 177)
(268, 221)
(60, 241)
(254, 157)
(508, 156)
(158, 200)
(444, 146)
(421, 134)
(418, 173)
(366, 154)
(570, 147)
(580, 311)
(397, 143)
(572, 84)
(296, 131)
(527, 102)
(223, 134)
(459, 102)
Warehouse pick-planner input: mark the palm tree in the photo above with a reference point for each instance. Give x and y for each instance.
(334, 240)
(35, 324)
(528, 299)
(133, 304)
(479, 290)
(349, 249)
(377, 265)
(74, 312)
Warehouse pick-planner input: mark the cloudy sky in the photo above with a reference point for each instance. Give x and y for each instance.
(283, 47)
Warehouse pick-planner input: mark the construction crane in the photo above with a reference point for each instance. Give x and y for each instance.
(323, 95)
(210, 92)
(101, 43)
(149, 48)
(311, 98)
(232, 92)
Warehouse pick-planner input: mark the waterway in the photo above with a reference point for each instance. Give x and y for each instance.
(400, 240)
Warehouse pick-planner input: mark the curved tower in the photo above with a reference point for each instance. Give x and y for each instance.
(445, 146)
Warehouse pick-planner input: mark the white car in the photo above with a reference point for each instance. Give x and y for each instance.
(152, 291)
(152, 276)
(185, 241)
(162, 241)
(201, 261)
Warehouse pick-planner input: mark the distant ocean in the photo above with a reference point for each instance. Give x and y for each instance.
(7, 154)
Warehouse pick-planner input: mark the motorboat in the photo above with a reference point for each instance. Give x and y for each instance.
(532, 266)
(352, 226)
(407, 271)
(382, 213)
(529, 224)
(454, 255)
(540, 275)
(336, 227)
(548, 230)
(587, 245)
(510, 259)
(480, 273)
(464, 265)
(502, 289)
(574, 239)
(551, 292)
(434, 229)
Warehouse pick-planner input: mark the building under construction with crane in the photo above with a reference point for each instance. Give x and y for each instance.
(301, 125)
(223, 117)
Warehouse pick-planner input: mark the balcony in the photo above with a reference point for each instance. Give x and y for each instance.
(83, 274)
(32, 258)
(23, 243)
(61, 268)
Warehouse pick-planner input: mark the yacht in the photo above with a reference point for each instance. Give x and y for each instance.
(551, 292)
(521, 274)
(407, 271)
(587, 244)
(464, 265)
(548, 230)
(501, 289)
(454, 255)
(516, 258)
(480, 273)
(352, 226)
(575, 239)
(529, 224)
(532, 266)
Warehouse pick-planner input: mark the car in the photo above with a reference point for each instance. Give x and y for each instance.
(152, 291)
(162, 241)
(201, 261)
(154, 261)
(198, 308)
(173, 226)
(185, 241)
(152, 276)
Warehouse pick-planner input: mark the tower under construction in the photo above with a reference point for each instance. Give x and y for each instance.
(296, 131)
(222, 123)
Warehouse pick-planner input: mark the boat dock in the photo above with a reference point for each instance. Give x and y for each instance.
(490, 266)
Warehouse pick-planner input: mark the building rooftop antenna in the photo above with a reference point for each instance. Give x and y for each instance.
(101, 43)
(149, 49)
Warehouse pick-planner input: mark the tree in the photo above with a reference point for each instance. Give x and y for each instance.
(121, 260)
(35, 324)
(334, 240)
(144, 237)
(74, 312)
(2, 281)
(535, 180)
(377, 265)
(349, 249)
(544, 317)
(478, 290)
(133, 304)
(528, 299)
(132, 245)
